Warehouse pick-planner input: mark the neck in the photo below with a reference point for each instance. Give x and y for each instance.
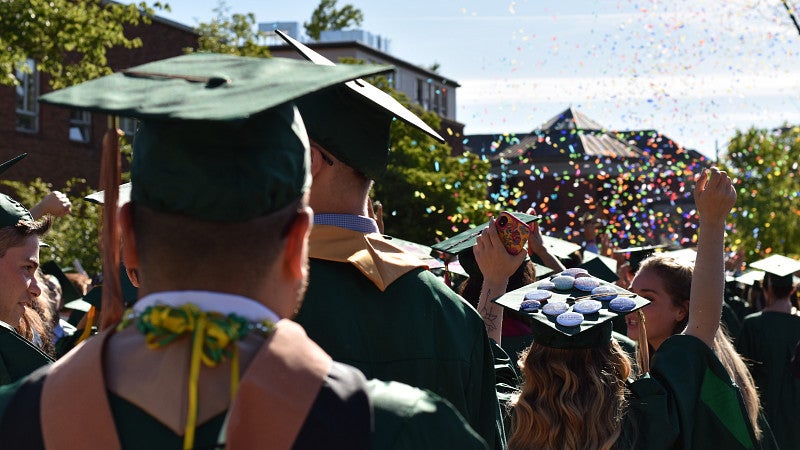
(782, 305)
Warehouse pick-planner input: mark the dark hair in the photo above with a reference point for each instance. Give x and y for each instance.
(781, 286)
(13, 236)
(177, 245)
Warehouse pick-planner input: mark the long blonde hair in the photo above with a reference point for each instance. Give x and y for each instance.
(570, 398)
(678, 277)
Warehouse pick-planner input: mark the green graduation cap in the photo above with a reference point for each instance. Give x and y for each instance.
(352, 120)
(600, 266)
(219, 138)
(68, 291)
(571, 328)
(637, 254)
(462, 243)
(779, 269)
(11, 212)
(18, 357)
(99, 197)
(423, 252)
(7, 165)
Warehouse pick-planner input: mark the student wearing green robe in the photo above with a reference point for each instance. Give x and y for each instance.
(19, 259)
(369, 303)
(576, 390)
(768, 340)
(216, 231)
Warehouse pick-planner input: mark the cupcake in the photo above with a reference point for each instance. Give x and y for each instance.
(538, 295)
(586, 284)
(530, 305)
(555, 308)
(569, 319)
(563, 282)
(587, 306)
(604, 292)
(622, 304)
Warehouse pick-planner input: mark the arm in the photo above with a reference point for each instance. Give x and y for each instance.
(496, 265)
(55, 203)
(714, 196)
(536, 247)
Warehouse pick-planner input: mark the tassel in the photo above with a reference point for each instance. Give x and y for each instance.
(644, 350)
(110, 168)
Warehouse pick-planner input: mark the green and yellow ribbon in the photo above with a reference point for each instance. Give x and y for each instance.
(214, 338)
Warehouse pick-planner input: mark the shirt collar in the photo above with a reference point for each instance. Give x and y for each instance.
(210, 301)
(351, 222)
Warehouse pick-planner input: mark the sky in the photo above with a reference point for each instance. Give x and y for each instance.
(695, 70)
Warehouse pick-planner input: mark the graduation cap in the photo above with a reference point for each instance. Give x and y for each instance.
(218, 139)
(93, 298)
(11, 212)
(566, 327)
(352, 120)
(748, 277)
(602, 267)
(779, 269)
(18, 357)
(7, 165)
(637, 254)
(462, 243)
(685, 256)
(99, 197)
(68, 291)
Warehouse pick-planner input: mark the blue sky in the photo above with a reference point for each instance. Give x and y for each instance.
(694, 70)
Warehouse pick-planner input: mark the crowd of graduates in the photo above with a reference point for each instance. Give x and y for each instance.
(265, 308)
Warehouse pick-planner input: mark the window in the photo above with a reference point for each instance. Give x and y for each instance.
(128, 126)
(27, 96)
(80, 126)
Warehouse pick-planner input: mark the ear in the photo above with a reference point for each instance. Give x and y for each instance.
(317, 163)
(130, 257)
(682, 311)
(295, 253)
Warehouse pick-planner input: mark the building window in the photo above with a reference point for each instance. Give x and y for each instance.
(128, 126)
(27, 96)
(444, 110)
(80, 126)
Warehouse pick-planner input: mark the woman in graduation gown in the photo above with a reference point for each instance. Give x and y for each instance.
(575, 390)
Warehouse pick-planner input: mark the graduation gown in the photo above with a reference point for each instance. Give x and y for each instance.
(768, 339)
(71, 404)
(372, 306)
(18, 357)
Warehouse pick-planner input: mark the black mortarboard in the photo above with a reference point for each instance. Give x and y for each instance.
(637, 254)
(7, 165)
(593, 329)
(779, 268)
(100, 198)
(352, 120)
(68, 290)
(11, 212)
(600, 266)
(466, 239)
(218, 137)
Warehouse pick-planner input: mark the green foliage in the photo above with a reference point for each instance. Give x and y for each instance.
(68, 39)
(765, 165)
(428, 195)
(231, 34)
(74, 236)
(327, 17)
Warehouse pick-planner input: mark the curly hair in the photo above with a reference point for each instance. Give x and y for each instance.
(570, 398)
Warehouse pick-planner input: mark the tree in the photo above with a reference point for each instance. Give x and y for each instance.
(68, 39)
(233, 35)
(327, 17)
(74, 236)
(428, 195)
(765, 166)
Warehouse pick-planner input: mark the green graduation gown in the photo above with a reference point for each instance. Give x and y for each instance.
(768, 340)
(372, 306)
(18, 357)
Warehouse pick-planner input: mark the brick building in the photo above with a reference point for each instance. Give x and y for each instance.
(62, 144)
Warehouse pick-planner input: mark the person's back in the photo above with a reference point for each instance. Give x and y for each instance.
(368, 303)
